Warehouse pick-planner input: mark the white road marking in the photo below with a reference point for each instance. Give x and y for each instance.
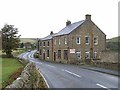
(103, 86)
(29, 56)
(24, 56)
(51, 66)
(71, 73)
(32, 56)
(38, 62)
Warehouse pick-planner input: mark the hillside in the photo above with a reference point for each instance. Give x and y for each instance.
(112, 44)
(115, 39)
(24, 40)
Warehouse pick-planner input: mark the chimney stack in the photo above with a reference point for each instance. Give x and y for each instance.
(88, 17)
(51, 33)
(68, 22)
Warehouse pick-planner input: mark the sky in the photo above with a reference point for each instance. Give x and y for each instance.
(36, 18)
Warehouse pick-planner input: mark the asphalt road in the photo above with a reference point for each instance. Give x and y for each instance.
(72, 76)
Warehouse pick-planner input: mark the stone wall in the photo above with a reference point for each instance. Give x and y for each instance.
(29, 78)
(109, 56)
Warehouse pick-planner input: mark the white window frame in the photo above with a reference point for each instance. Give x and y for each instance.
(78, 41)
(95, 55)
(87, 53)
(88, 40)
(96, 40)
(59, 41)
(78, 52)
(55, 42)
(65, 40)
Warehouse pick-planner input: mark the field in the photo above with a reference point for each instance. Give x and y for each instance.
(11, 68)
(24, 40)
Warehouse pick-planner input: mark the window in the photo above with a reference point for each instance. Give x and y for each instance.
(48, 43)
(40, 43)
(78, 54)
(87, 40)
(55, 42)
(66, 54)
(95, 55)
(43, 43)
(59, 41)
(59, 54)
(40, 52)
(77, 40)
(96, 40)
(87, 55)
(47, 53)
(65, 40)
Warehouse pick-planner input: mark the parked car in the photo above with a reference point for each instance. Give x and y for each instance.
(29, 50)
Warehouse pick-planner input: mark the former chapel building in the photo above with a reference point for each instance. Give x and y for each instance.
(79, 41)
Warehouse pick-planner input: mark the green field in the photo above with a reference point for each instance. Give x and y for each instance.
(24, 40)
(10, 68)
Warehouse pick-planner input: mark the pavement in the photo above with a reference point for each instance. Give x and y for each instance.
(102, 70)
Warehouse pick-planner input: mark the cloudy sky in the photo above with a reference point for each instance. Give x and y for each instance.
(36, 18)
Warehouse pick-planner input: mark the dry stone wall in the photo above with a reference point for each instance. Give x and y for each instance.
(29, 78)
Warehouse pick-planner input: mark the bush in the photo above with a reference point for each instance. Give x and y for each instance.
(36, 55)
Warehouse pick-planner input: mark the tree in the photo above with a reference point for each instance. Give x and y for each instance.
(10, 40)
(21, 45)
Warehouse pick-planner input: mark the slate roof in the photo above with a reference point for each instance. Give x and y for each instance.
(68, 29)
(47, 37)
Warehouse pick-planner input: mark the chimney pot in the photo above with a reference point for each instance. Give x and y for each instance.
(51, 33)
(68, 22)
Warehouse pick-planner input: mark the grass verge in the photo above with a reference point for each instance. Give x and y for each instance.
(11, 69)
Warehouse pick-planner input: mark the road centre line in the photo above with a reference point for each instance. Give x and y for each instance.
(24, 56)
(38, 62)
(71, 73)
(103, 86)
(51, 66)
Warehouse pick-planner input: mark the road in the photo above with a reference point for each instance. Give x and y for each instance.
(72, 76)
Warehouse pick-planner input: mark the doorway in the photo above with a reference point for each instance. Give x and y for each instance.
(54, 56)
(44, 56)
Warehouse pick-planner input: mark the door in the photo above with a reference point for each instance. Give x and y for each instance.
(66, 54)
(44, 56)
(54, 56)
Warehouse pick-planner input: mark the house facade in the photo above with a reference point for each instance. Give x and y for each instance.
(46, 47)
(77, 42)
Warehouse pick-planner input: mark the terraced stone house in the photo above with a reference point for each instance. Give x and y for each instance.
(77, 42)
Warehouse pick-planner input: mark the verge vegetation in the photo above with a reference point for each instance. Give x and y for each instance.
(11, 69)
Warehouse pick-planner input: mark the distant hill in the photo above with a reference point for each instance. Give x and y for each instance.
(115, 39)
(24, 40)
(113, 43)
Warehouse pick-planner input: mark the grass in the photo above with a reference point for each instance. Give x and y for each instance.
(24, 40)
(18, 51)
(11, 68)
(15, 53)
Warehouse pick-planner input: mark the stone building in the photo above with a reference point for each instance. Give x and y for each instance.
(77, 42)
